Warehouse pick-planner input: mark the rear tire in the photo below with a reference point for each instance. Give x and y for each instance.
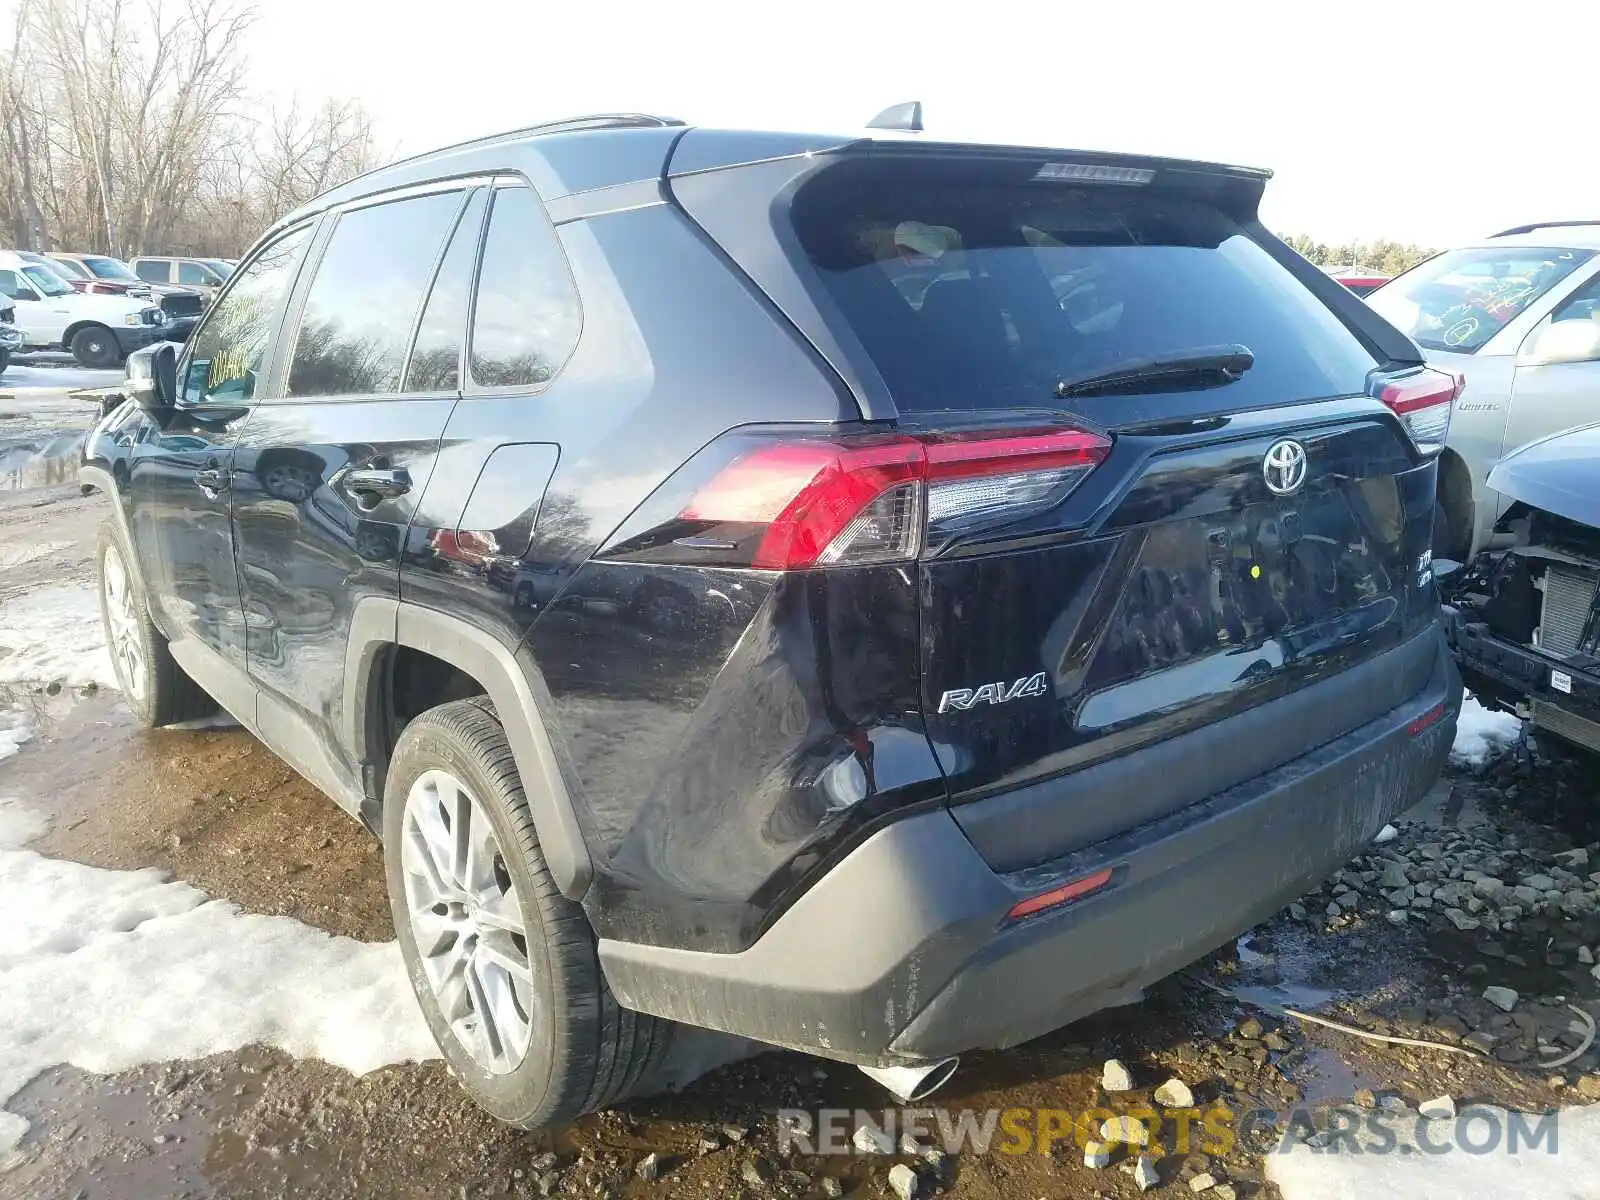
(453, 779)
(95, 347)
(153, 684)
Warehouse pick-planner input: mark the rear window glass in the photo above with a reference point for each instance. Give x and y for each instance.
(970, 295)
(1460, 299)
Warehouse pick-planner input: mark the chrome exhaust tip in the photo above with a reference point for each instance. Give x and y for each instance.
(912, 1083)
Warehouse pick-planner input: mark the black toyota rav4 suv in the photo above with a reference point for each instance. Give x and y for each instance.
(872, 596)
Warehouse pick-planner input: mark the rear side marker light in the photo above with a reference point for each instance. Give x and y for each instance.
(883, 497)
(1426, 721)
(1424, 401)
(1061, 895)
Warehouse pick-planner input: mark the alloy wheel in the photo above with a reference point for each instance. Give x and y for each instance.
(122, 620)
(467, 921)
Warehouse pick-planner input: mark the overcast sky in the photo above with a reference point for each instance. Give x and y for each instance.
(1431, 122)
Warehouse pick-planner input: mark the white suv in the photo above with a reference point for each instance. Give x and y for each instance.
(99, 329)
(1519, 315)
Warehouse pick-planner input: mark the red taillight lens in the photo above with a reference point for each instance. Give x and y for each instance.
(847, 501)
(1424, 401)
(805, 493)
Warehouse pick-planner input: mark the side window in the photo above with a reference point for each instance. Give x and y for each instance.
(11, 284)
(436, 357)
(1582, 305)
(194, 273)
(362, 303)
(229, 346)
(151, 270)
(526, 317)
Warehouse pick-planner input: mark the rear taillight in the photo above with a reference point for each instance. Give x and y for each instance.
(806, 502)
(1424, 401)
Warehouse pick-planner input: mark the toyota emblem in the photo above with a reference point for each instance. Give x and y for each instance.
(1284, 467)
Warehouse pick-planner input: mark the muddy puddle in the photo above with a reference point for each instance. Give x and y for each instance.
(39, 459)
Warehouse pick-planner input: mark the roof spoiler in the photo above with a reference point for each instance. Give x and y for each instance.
(1537, 225)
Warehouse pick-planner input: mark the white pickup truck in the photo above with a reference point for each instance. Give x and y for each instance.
(99, 330)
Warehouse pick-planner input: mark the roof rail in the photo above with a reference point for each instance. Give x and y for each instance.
(1542, 225)
(567, 125)
(601, 121)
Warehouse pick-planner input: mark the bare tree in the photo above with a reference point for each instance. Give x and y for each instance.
(127, 129)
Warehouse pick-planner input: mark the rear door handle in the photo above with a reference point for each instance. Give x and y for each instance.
(370, 485)
(213, 481)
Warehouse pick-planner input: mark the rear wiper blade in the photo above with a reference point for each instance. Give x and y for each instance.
(1201, 367)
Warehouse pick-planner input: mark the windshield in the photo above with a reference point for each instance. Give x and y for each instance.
(221, 268)
(47, 281)
(111, 268)
(971, 295)
(1460, 299)
(68, 268)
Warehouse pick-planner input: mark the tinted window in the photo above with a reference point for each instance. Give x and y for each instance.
(70, 269)
(109, 268)
(526, 318)
(229, 346)
(988, 294)
(436, 357)
(362, 304)
(151, 270)
(189, 272)
(1460, 299)
(1582, 305)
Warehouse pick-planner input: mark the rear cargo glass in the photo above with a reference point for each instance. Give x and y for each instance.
(976, 295)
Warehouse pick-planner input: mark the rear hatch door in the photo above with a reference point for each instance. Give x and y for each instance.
(1251, 527)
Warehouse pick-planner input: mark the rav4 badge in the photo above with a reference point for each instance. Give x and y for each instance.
(962, 699)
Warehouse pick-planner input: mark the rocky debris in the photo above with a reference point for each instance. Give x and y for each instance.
(831, 1187)
(1175, 1093)
(1145, 1174)
(1250, 1029)
(1097, 1154)
(1115, 1076)
(757, 1172)
(1503, 998)
(1365, 1098)
(903, 1181)
(870, 1139)
(1480, 1040)
(1387, 834)
(709, 1144)
(649, 1168)
(544, 1162)
(734, 1133)
(1589, 1087)
(1223, 1191)
(1440, 1108)
(1128, 1130)
(1205, 1180)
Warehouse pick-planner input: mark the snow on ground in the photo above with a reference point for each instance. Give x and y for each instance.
(106, 970)
(16, 556)
(1562, 1169)
(54, 634)
(14, 730)
(20, 378)
(1480, 733)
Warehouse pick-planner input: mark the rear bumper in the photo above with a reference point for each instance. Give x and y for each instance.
(1520, 677)
(903, 952)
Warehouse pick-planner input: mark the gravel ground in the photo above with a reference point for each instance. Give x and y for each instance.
(1493, 883)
